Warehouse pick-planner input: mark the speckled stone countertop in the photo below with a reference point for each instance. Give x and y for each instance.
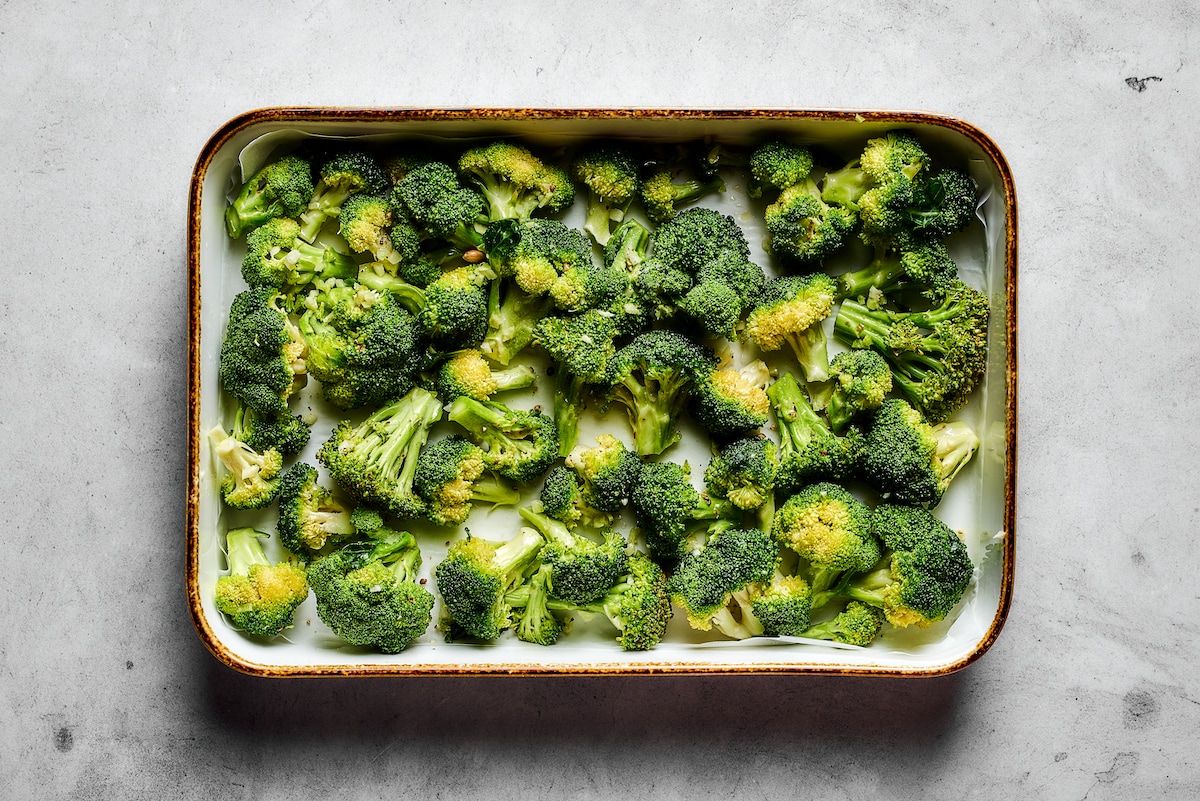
(1090, 691)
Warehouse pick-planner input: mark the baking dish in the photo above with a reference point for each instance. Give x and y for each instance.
(981, 502)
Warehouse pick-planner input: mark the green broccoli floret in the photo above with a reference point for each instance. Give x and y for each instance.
(346, 173)
(376, 460)
(908, 460)
(744, 472)
(451, 474)
(475, 577)
(637, 605)
(925, 572)
(714, 307)
(661, 195)
(607, 472)
(309, 516)
(262, 354)
(455, 312)
(693, 238)
(517, 444)
(803, 229)
(512, 316)
(548, 258)
(878, 186)
(280, 189)
(581, 570)
(831, 530)
(858, 624)
(713, 582)
(732, 402)
(919, 261)
(439, 206)
(937, 356)
(286, 433)
(532, 619)
(362, 344)
(944, 204)
(740, 274)
(251, 479)
(610, 173)
(582, 347)
(808, 450)
(259, 597)
(778, 165)
(514, 182)
(659, 289)
(861, 380)
(278, 259)
(365, 222)
(781, 608)
(790, 311)
(368, 592)
(466, 372)
(668, 509)
(651, 378)
(562, 496)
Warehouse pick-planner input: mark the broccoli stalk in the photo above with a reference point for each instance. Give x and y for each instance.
(280, 189)
(512, 316)
(530, 604)
(808, 450)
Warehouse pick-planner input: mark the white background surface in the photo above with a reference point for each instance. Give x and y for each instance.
(105, 691)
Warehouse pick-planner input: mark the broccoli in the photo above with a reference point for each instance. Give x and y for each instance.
(831, 529)
(611, 176)
(517, 444)
(581, 570)
(251, 479)
(347, 173)
(744, 472)
(661, 195)
(944, 204)
(738, 273)
(729, 402)
(937, 356)
(455, 311)
(365, 222)
(368, 592)
(376, 460)
(532, 619)
(637, 605)
(668, 508)
(780, 608)
(790, 310)
(920, 261)
(514, 182)
(627, 247)
(362, 344)
(857, 624)
(582, 347)
(466, 372)
(878, 187)
(861, 380)
(262, 354)
(713, 582)
(286, 433)
(439, 206)
(476, 575)
(803, 229)
(451, 475)
(512, 315)
(925, 570)
(659, 288)
(280, 189)
(562, 496)
(714, 306)
(259, 597)
(548, 258)
(778, 165)
(276, 258)
(652, 377)
(907, 459)
(309, 516)
(808, 450)
(695, 237)
(607, 472)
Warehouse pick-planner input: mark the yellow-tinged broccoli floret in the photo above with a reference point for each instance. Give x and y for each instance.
(466, 372)
(661, 195)
(610, 173)
(260, 597)
(514, 182)
(251, 478)
(476, 575)
(831, 530)
(744, 472)
(607, 471)
(280, 189)
(778, 165)
(790, 311)
(857, 624)
(732, 402)
(517, 444)
(309, 516)
(733, 562)
(347, 173)
(451, 475)
(802, 228)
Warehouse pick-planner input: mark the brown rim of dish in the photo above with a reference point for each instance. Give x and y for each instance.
(367, 115)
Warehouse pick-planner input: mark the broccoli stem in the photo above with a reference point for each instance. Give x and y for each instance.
(511, 321)
(845, 186)
(244, 549)
(554, 530)
(326, 202)
(514, 378)
(812, 352)
(956, 444)
(568, 400)
(410, 297)
(491, 490)
(796, 417)
(653, 409)
(883, 274)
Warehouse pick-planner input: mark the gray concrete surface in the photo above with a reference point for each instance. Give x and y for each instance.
(105, 691)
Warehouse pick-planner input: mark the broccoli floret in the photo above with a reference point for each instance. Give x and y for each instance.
(695, 237)
(476, 575)
(790, 310)
(858, 624)
(744, 472)
(803, 229)
(611, 176)
(781, 608)
(562, 496)
(277, 259)
(466, 372)
(532, 619)
(652, 378)
(607, 472)
(376, 460)
(878, 186)
(514, 182)
(517, 444)
(548, 258)
(439, 206)
(512, 316)
(711, 583)
(365, 222)
(398, 165)
(896, 153)
(362, 344)
(668, 509)
(581, 570)
(908, 460)
(829, 528)
(455, 312)
(262, 354)
(925, 572)
(346, 173)
(368, 592)
(808, 450)
(659, 288)
(251, 479)
(937, 356)
(740, 274)
(861, 380)
(778, 165)
(637, 605)
(944, 204)
(714, 306)
(661, 196)
(286, 433)
(919, 261)
(451, 474)
(309, 516)
(627, 247)
(280, 189)
(731, 402)
(582, 346)
(259, 597)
